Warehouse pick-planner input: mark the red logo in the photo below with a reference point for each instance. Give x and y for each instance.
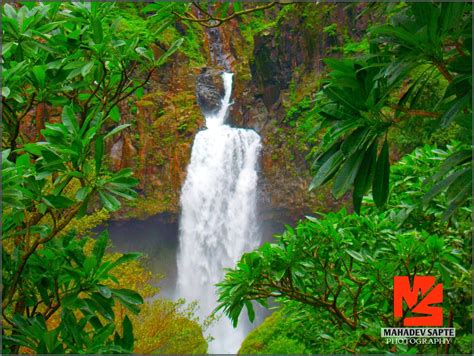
(418, 300)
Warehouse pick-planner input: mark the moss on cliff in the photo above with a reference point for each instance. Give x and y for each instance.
(169, 122)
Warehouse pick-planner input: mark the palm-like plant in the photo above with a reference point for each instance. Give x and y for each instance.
(363, 98)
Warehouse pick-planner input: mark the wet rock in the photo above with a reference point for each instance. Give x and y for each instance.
(122, 153)
(209, 89)
(115, 155)
(219, 49)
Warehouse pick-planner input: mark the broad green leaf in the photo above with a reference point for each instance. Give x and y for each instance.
(451, 12)
(127, 334)
(126, 193)
(99, 153)
(128, 296)
(442, 185)
(139, 93)
(83, 193)
(145, 52)
(106, 267)
(115, 114)
(58, 201)
(347, 174)
(87, 68)
(456, 159)
(10, 11)
(327, 169)
(357, 202)
(99, 247)
(130, 299)
(356, 255)
(455, 203)
(380, 185)
(355, 140)
(454, 109)
(116, 130)
(69, 119)
(173, 48)
(110, 202)
(100, 304)
(89, 265)
(98, 35)
(5, 92)
(104, 291)
(40, 75)
(364, 177)
(250, 310)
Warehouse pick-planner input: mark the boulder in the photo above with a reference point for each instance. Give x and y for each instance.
(209, 90)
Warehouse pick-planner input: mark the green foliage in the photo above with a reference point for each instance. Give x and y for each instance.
(338, 269)
(454, 177)
(68, 57)
(409, 206)
(297, 110)
(169, 327)
(276, 335)
(158, 25)
(365, 97)
(63, 275)
(350, 47)
(331, 29)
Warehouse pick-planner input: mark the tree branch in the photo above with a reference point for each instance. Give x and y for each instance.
(133, 90)
(413, 112)
(16, 130)
(94, 93)
(57, 228)
(212, 21)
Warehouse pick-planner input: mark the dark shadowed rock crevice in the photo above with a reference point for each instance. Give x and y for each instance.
(286, 66)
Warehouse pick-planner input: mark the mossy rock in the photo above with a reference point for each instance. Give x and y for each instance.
(144, 103)
(271, 337)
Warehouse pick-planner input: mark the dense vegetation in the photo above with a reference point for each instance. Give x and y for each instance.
(69, 63)
(333, 274)
(387, 123)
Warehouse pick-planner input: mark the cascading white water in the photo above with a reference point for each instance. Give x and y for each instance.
(218, 222)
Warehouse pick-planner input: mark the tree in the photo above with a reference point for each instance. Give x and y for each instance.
(81, 63)
(364, 98)
(69, 61)
(334, 274)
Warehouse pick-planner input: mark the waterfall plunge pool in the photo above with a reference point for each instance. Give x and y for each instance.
(157, 238)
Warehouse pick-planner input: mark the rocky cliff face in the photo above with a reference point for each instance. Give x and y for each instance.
(158, 147)
(274, 67)
(286, 66)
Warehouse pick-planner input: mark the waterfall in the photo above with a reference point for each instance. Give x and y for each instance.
(218, 220)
